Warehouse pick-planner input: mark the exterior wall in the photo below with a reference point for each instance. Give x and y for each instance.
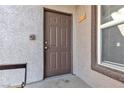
(17, 23)
(83, 62)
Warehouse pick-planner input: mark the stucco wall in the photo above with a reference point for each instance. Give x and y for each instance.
(17, 23)
(83, 62)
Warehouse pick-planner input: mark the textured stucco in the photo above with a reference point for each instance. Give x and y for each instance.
(83, 63)
(17, 23)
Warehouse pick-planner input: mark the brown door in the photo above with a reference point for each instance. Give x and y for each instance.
(57, 43)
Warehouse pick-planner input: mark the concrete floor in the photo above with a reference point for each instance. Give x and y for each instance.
(62, 81)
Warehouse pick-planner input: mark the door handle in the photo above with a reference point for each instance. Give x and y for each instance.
(45, 42)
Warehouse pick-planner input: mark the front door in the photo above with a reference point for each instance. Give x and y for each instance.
(57, 43)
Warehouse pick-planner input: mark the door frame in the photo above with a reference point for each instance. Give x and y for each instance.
(60, 12)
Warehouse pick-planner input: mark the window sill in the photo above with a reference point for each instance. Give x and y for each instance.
(113, 66)
(109, 71)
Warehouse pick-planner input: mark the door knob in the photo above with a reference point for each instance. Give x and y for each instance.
(45, 47)
(45, 42)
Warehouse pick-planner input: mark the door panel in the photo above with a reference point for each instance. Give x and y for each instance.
(57, 43)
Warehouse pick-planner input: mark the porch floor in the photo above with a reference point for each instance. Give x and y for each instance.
(62, 81)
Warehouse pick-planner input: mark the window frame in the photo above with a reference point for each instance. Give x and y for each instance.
(113, 73)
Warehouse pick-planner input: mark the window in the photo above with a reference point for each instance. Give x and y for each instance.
(108, 40)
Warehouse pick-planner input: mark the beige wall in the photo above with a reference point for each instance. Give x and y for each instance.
(83, 62)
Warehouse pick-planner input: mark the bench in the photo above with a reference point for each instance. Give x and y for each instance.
(16, 66)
